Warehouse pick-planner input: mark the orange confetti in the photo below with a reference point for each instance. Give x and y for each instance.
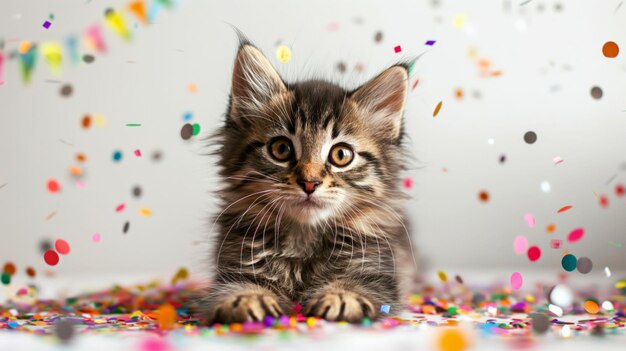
(483, 196)
(550, 228)
(591, 307)
(80, 157)
(192, 88)
(76, 171)
(436, 112)
(24, 47)
(610, 49)
(452, 339)
(564, 208)
(138, 8)
(458, 93)
(429, 309)
(166, 316)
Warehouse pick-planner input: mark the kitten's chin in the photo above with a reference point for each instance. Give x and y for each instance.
(309, 211)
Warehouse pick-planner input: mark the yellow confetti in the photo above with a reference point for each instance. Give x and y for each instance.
(99, 120)
(442, 275)
(436, 112)
(144, 211)
(621, 284)
(115, 20)
(53, 55)
(459, 20)
(182, 274)
(283, 54)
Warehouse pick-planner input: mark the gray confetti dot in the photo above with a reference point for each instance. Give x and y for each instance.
(596, 93)
(378, 37)
(584, 265)
(66, 90)
(88, 58)
(540, 323)
(64, 330)
(186, 131)
(530, 137)
(137, 191)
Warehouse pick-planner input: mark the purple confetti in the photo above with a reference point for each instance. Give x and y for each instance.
(430, 42)
(47, 24)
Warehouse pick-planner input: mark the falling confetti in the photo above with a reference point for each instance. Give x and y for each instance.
(530, 137)
(620, 190)
(30, 272)
(436, 112)
(584, 265)
(119, 208)
(186, 131)
(556, 243)
(551, 228)
(62, 247)
(64, 330)
(529, 218)
(516, 281)
(166, 317)
(596, 93)
(51, 258)
(568, 262)
(430, 42)
(561, 296)
(408, 183)
(576, 235)
(545, 186)
(115, 20)
(133, 124)
(146, 212)
(117, 156)
(483, 196)
(397, 49)
(126, 227)
(607, 272)
(442, 276)
(46, 24)
(610, 49)
(603, 200)
(138, 8)
(520, 245)
(9, 268)
(451, 339)
(5, 278)
(534, 253)
(378, 37)
(283, 54)
(53, 186)
(557, 160)
(137, 152)
(591, 307)
(66, 90)
(564, 208)
(87, 58)
(540, 323)
(385, 309)
(195, 129)
(96, 237)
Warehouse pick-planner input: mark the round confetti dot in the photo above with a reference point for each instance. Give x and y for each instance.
(5, 278)
(576, 235)
(620, 190)
(442, 276)
(596, 93)
(166, 316)
(53, 186)
(378, 37)
(88, 58)
(137, 191)
(51, 258)
(520, 245)
(568, 262)
(550, 228)
(157, 156)
(545, 186)
(516, 281)
(75, 171)
(186, 131)
(62, 247)
(530, 137)
(556, 243)
(458, 94)
(30, 271)
(540, 323)
(408, 183)
(584, 265)
(64, 330)
(66, 90)
(451, 339)
(96, 237)
(604, 201)
(483, 196)
(117, 156)
(196, 129)
(561, 296)
(283, 54)
(610, 49)
(9, 268)
(341, 67)
(85, 122)
(591, 307)
(534, 253)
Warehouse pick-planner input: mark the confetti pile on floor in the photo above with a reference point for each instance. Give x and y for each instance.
(166, 308)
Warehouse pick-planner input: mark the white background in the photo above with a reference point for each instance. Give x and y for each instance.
(549, 53)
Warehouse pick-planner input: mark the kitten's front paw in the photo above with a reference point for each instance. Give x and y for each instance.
(245, 307)
(340, 306)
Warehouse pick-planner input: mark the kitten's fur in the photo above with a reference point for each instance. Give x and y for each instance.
(342, 251)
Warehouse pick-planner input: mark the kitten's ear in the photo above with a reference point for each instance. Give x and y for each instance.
(383, 99)
(254, 79)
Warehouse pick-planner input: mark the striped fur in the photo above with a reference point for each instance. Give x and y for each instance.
(345, 252)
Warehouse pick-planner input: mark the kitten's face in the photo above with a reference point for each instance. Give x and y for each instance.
(311, 151)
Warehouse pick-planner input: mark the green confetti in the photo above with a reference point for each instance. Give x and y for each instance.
(133, 124)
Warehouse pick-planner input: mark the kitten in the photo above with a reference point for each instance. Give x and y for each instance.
(311, 210)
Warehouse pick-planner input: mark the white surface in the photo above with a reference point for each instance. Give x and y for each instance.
(550, 59)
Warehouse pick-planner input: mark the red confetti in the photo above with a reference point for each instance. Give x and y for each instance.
(62, 246)
(534, 253)
(408, 183)
(120, 208)
(576, 235)
(53, 186)
(415, 84)
(620, 190)
(564, 208)
(604, 201)
(397, 49)
(51, 257)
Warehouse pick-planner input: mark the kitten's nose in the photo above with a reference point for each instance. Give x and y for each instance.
(308, 185)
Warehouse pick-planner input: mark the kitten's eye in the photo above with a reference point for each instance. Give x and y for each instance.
(280, 148)
(341, 155)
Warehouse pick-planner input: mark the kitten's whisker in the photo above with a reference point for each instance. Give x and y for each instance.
(253, 259)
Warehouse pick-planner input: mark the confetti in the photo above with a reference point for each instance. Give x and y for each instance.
(192, 88)
(430, 42)
(530, 220)
(516, 281)
(452, 339)
(1, 67)
(9, 268)
(610, 49)
(442, 276)
(540, 323)
(576, 235)
(591, 307)
(459, 21)
(530, 137)
(53, 55)
(378, 37)
(545, 186)
(138, 8)
(397, 49)
(596, 93)
(117, 156)
(53, 186)
(436, 112)
(534, 253)
(196, 129)
(186, 131)
(75, 171)
(603, 200)
(520, 245)
(133, 124)
(137, 152)
(584, 265)
(502, 159)
(146, 212)
(64, 330)
(137, 191)
(561, 296)
(187, 116)
(458, 279)
(568, 262)
(166, 317)
(62, 247)
(66, 90)
(119, 208)
(620, 190)
(51, 258)
(385, 309)
(85, 122)
(96, 237)
(126, 227)
(557, 160)
(408, 183)
(5, 278)
(483, 196)
(283, 54)
(564, 208)
(607, 272)
(30, 272)
(46, 24)
(94, 38)
(551, 228)
(87, 58)
(556, 243)
(115, 20)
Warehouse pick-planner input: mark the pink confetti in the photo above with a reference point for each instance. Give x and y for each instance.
(408, 183)
(516, 280)
(557, 160)
(94, 37)
(576, 235)
(1, 68)
(22, 292)
(397, 49)
(556, 243)
(520, 245)
(120, 208)
(154, 344)
(138, 153)
(81, 184)
(530, 220)
(95, 237)
(604, 201)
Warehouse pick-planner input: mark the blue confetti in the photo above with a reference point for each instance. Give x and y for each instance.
(117, 156)
(385, 309)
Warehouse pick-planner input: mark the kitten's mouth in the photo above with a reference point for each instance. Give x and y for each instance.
(311, 202)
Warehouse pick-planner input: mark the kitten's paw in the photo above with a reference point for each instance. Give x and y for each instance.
(341, 306)
(245, 307)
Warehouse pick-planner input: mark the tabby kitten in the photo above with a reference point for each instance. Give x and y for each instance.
(311, 210)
